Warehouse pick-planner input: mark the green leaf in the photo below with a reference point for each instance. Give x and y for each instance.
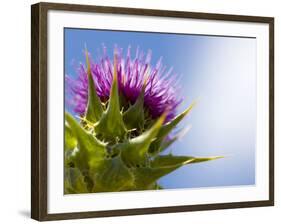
(74, 181)
(146, 177)
(91, 152)
(200, 160)
(134, 151)
(113, 176)
(134, 116)
(166, 129)
(70, 142)
(111, 125)
(170, 160)
(94, 106)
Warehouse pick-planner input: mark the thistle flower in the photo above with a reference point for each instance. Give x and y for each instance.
(161, 90)
(127, 112)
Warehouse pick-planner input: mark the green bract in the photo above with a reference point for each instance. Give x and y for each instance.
(110, 150)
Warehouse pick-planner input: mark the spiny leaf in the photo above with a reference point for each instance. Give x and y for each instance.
(134, 151)
(159, 167)
(170, 160)
(200, 160)
(166, 129)
(111, 125)
(94, 107)
(145, 177)
(74, 181)
(70, 142)
(91, 152)
(134, 116)
(113, 176)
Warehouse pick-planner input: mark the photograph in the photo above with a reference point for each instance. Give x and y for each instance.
(158, 110)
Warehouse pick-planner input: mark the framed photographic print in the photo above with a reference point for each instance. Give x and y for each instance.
(115, 92)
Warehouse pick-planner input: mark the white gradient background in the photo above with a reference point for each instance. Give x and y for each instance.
(219, 73)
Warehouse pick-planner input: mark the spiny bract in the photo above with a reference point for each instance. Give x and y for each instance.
(118, 142)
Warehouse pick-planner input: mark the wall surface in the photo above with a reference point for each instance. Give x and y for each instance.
(15, 112)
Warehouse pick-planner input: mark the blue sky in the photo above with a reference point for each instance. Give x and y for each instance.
(219, 73)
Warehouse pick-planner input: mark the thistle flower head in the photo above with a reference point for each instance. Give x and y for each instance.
(118, 143)
(161, 88)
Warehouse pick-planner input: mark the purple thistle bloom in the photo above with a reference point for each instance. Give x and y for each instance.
(160, 93)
